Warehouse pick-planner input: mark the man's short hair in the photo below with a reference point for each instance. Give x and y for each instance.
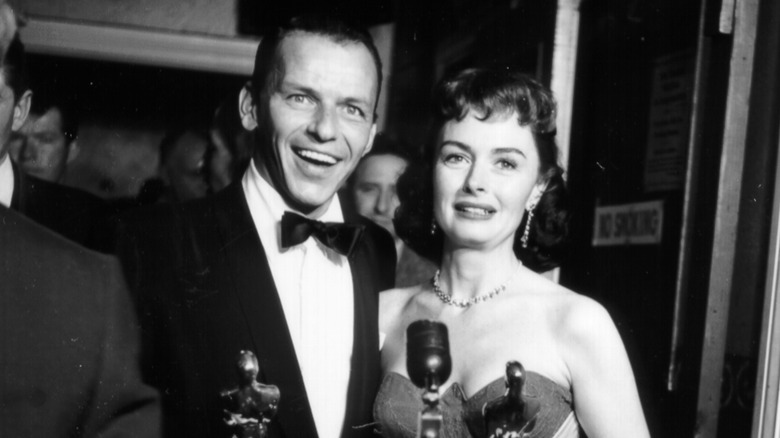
(385, 144)
(44, 100)
(336, 28)
(14, 68)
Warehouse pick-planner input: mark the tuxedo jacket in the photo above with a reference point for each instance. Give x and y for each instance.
(205, 292)
(69, 346)
(72, 213)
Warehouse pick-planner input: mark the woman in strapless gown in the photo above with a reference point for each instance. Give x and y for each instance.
(488, 206)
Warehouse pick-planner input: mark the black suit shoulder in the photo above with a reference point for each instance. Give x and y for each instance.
(69, 335)
(72, 213)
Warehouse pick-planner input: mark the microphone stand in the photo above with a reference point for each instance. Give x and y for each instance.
(429, 364)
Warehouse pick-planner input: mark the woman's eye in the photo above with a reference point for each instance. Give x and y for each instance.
(507, 164)
(454, 159)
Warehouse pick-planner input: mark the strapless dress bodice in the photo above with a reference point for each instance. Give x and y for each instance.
(399, 402)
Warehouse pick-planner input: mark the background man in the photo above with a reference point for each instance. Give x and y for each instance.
(373, 191)
(72, 213)
(46, 142)
(69, 351)
(228, 273)
(183, 167)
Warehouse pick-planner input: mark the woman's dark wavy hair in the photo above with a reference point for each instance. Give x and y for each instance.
(489, 93)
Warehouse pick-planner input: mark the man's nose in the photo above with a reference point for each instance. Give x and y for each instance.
(28, 151)
(384, 202)
(324, 126)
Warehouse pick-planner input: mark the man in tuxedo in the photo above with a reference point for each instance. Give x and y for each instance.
(69, 212)
(69, 348)
(227, 273)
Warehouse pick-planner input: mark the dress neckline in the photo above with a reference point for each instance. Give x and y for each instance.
(456, 390)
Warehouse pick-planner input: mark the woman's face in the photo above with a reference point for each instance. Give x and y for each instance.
(484, 173)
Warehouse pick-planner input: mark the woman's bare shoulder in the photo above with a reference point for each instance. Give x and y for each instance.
(572, 313)
(392, 303)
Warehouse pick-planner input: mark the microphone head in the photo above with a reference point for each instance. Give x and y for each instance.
(427, 352)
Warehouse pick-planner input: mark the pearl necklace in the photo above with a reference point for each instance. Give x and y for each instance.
(464, 304)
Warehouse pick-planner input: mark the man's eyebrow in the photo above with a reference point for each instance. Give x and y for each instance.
(289, 84)
(358, 101)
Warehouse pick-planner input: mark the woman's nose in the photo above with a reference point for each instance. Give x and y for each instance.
(476, 179)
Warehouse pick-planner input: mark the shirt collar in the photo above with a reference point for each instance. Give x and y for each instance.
(6, 181)
(270, 205)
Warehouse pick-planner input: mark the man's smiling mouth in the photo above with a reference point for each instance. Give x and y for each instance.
(316, 158)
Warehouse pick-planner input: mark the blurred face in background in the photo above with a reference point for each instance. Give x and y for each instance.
(184, 169)
(374, 188)
(41, 148)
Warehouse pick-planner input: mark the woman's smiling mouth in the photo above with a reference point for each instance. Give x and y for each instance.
(474, 210)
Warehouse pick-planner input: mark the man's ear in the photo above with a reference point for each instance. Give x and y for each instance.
(73, 150)
(371, 135)
(247, 108)
(21, 110)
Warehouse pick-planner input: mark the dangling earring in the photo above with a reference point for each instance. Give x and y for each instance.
(433, 227)
(536, 196)
(524, 238)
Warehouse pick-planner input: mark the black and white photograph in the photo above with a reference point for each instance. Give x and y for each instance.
(390, 218)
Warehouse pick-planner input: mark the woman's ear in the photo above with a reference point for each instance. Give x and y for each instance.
(247, 108)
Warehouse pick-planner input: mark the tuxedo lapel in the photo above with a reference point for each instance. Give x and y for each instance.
(253, 284)
(372, 266)
(365, 350)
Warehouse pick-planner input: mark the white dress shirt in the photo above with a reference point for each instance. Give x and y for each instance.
(6, 181)
(315, 288)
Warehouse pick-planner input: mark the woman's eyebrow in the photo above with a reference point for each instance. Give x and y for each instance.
(457, 144)
(508, 150)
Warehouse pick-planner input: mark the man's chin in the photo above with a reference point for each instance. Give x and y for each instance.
(309, 203)
(34, 171)
(385, 223)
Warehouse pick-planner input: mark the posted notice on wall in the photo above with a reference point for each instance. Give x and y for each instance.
(629, 224)
(670, 114)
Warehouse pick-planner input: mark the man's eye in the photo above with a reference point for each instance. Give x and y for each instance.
(300, 99)
(366, 189)
(355, 111)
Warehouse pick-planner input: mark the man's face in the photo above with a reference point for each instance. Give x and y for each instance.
(42, 149)
(374, 188)
(319, 120)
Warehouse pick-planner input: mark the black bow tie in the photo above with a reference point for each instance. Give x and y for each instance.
(342, 238)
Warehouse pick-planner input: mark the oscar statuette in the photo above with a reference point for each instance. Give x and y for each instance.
(511, 415)
(250, 406)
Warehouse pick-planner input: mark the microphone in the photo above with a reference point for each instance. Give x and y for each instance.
(428, 364)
